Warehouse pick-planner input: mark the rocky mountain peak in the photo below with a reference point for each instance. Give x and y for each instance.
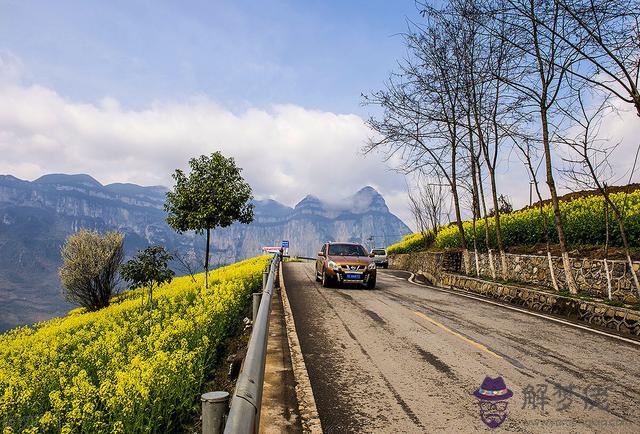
(63, 179)
(368, 199)
(310, 204)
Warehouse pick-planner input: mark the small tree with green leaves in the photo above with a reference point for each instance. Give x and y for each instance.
(148, 268)
(213, 195)
(90, 265)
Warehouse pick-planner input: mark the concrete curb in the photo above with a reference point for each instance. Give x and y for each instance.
(306, 402)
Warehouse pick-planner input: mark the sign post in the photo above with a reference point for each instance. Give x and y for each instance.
(285, 247)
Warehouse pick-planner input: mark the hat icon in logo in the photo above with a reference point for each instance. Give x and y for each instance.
(493, 395)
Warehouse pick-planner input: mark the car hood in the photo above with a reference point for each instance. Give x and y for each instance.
(351, 260)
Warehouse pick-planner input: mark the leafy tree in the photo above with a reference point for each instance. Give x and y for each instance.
(90, 267)
(148, 268)
(213, 195)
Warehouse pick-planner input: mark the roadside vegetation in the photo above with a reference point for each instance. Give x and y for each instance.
(123, 368)
(482, 82)
(583, 217)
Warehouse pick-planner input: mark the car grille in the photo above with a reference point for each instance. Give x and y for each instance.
(353, 267)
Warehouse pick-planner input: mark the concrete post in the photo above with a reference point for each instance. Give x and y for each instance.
(214, 409)
(257, 297)
(265, 277)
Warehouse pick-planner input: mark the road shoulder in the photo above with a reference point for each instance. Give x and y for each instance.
(280, 408)
(304, 392)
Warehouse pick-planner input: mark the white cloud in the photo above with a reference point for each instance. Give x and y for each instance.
(286, 151)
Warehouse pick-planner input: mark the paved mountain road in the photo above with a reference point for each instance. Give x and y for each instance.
(406, 358)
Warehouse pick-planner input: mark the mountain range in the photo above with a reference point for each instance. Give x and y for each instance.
(37, 216)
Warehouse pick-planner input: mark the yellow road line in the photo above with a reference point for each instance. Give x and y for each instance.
(456, 334)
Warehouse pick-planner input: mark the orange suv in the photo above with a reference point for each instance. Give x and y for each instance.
(345, 263)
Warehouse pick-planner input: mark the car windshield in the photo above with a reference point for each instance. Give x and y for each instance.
(346, 250)
(378, 252)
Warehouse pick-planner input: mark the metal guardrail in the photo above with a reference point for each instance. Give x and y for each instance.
(244, 415)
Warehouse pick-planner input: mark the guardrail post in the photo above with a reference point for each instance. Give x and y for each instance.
(257, 297)
(265, 278)
(214, 408)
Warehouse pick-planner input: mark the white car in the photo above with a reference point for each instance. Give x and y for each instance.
(380, 258)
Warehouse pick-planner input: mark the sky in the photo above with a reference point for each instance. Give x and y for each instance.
(128, 91)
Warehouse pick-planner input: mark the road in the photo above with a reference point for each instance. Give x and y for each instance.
(407, 357)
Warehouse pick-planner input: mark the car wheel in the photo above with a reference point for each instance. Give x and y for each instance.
(318, 278)
(371, 284)
(325, 279)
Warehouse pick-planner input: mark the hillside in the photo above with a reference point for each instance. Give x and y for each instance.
(582, 214)
(121, 369)
(35, 218)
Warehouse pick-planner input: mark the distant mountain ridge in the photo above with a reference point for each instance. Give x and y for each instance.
(36, 217)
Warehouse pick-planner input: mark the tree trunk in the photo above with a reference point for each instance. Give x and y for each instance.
(606, 248)
(492, 266)
(545, 226)
(625, 242)
(476, 206)
(571, 283)
(494, 194)
(206, 260)
(463, 241)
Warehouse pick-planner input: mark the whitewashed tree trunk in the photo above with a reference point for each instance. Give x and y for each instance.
(606, 270)
(633, 273)
(552, 272)
(568, 272)
(477, 262)
(492, 265)
(503, 263)
(467, 261)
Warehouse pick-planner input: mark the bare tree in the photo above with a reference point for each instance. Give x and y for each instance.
(188, 262)
(427, 203)
(422, 117)
(604, 35)
(490, 105)
(590, 166)
(528, 155)
(541, 78)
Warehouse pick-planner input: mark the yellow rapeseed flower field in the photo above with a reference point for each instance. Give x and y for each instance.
(583, 219)
(118, 369)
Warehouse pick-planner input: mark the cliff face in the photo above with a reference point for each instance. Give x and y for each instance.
(35, 218)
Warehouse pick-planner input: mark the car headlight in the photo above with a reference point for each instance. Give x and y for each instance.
(372, 266)
(333, 266)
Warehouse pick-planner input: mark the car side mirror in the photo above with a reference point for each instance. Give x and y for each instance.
(320, 254)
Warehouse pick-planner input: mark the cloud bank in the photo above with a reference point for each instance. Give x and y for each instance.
(286, 151)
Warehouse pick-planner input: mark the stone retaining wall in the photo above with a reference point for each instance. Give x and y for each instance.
(589, 274)
(531, 269)
(617, 318)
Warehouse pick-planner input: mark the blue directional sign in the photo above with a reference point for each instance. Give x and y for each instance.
(285, 244)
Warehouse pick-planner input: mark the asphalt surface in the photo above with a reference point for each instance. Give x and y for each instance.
(407, 358)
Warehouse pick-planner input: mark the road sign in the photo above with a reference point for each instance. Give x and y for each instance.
(285, 244)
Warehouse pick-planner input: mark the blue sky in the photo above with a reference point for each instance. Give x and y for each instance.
(128, 91)
(317, 54)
